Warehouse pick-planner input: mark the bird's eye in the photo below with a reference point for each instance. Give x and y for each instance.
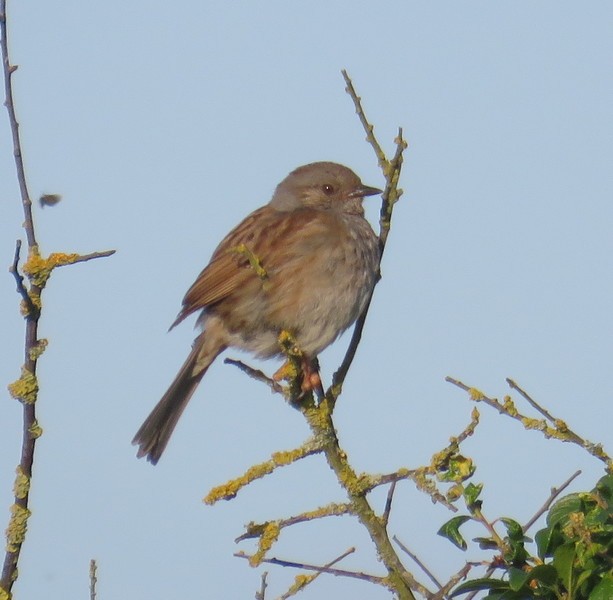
(328, 189)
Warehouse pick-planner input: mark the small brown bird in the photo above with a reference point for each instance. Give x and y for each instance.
(304, 263)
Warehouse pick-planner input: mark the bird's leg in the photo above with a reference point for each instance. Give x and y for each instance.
(308, 379)
(311, 381)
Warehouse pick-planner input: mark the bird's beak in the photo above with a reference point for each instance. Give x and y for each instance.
(365, 190)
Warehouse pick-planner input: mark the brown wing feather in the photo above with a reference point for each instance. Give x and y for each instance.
(273, 237)
(227, 270)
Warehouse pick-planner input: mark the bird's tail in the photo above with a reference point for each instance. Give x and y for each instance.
(154, 433)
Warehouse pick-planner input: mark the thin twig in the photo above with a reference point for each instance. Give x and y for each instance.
(555, 492)
(385, 517)
(8, 71)
(93, 579)
(559, 430)
(391, 194)
(254, 530)
(419, 563)
(422, 478)
(21, 288)
(262, 593)
(90, 256)
(530, 401)
(302, 582)
(461, 574)
(368, 128)
(257, 375)
(309, 567)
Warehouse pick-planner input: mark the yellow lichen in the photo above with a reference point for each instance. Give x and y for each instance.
(21, 487)
(254, 261)
(476, 394)
(267, 539)
(35, 430)
(537, 424)
(300, 582)
(509, 406)
(4, 595)
(330, 510)
(38, 349)
(287, 457)
(24, 307)
(18, 524)
(228, 490)
(25, 389)
(38, 269)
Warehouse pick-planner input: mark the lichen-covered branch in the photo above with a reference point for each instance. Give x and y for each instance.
(550, 426)
(398, 578)
(319, 414)
(37, 270)
(333, 509)
(228, 490)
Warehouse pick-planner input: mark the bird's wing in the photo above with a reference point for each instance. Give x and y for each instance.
(233, 263)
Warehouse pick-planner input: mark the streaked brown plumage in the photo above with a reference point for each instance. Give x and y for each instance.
(305, 263)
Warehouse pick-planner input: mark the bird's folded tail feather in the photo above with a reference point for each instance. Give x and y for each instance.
(154, 433)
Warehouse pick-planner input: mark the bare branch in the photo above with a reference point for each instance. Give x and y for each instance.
(90, 256)
(93, 579)
(302, 581)
(555, 492)
(385, 517)
(8, 71)
(30, 308)
(419, 563)
(319, 569)
(391, 194)
(258, 376)
(368, 128)
(262, 593)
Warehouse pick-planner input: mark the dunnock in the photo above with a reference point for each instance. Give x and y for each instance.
(304, 263)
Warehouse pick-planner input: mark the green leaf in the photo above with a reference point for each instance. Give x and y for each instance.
(459, 468)
(544, 574)
(604, 590)
(480, 584)
(559, 512)
(605, 488)
(517, 578)
(514, 529)
(472, 492)
(451, 531)
(543, 539)
(547, 540)
(563, 559)
(486, 543)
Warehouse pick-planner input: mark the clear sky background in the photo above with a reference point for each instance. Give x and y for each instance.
(162, 125)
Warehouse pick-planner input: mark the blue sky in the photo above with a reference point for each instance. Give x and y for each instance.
(162, 127)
